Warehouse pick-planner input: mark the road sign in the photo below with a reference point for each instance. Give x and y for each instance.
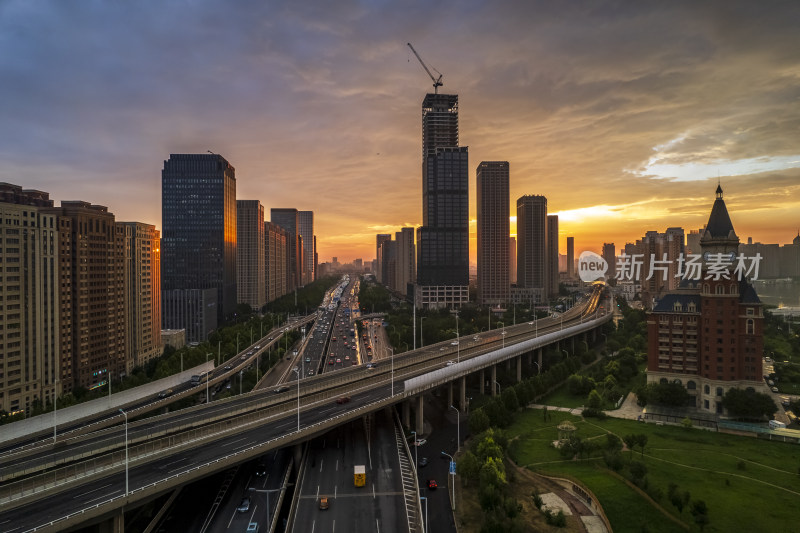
(452, 468)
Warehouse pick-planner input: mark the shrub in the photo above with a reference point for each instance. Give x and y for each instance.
(591, 412)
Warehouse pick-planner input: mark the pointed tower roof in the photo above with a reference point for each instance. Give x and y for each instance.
(796, 240)
(719, 223)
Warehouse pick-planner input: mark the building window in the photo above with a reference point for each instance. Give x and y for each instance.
(751, 327)
(719, 391)
(691, 385)
(707, 389)
(749, 311)
(720, 289)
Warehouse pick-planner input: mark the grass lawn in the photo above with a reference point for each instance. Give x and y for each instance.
(561, 397)
(748, 484)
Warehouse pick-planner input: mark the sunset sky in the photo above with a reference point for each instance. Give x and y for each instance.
(624, 114)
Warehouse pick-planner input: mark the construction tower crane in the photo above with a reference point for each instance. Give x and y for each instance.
(437, 82)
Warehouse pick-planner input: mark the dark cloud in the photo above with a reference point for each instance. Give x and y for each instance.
(580, 97)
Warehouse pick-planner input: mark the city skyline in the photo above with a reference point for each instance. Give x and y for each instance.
(621, 133)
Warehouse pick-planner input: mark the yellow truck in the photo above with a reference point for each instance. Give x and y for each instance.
(360, 476)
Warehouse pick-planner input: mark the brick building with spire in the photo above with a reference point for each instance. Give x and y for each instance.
(707, 334)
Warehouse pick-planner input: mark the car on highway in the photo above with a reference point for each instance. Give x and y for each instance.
(165, 393)
(454, 343)
(281, 389)
(228, 367)
(346, 357)
(423, 461)
(252, 527)
(774, 389)
(432, 485)
(420, 442)
(342, 399)
(338, 360)
(354, 362)
(308, 359)
(449, 363)
(261, 470)
(331, 361)
(244, 506)
(323, 502)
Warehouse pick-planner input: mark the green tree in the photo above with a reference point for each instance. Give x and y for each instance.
(478, 421)
(641, 440)
(746, 403)
(492, 472)
(510, 401)
(699, 511)
(468, 467)
(630, 441)
(488, 448)
(595, 401)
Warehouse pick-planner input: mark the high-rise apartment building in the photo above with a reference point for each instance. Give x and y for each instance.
(288, 219)
(552, 255)
(707, 334)
(492, 184)
(276, 245)
(250, 255)
(443, 238)
(388, 263)
(30, 337)
(406, 267)
(610, 256)
(512, 260)
(92, 265)
(142, 256)
(306, 228)
(532, 241)
(198, 245)
(570, 257)
(380, 238)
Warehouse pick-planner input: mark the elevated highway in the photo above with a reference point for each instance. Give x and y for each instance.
(168, 451)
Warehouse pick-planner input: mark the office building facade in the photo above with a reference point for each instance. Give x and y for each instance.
(250, 255)
(289, 220)
(198, 244)
(443, 238)
(276, 260)
(492, 193)
(552, 255)
(305, 220)
(532, 244)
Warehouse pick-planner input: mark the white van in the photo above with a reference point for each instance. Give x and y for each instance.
(776, 424)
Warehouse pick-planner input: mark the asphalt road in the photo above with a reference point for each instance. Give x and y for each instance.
(376, 507)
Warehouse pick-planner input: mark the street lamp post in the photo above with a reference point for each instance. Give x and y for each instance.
(415, 449)
(426, 513)
(538, 370)
(208, 377)
(298, 398)
(267, 492)
(458, 428)
(55, 410)
(499, 390)
(453, 480)
(391, 350)
(458, 342)
(421, 340)
(126, 451)
(503, 334)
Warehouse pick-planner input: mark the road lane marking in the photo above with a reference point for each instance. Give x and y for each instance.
(373, 491)
(91, 491)
(320, 464)
(235, 441)
(108, 495)
(337, 465)
(173, 462)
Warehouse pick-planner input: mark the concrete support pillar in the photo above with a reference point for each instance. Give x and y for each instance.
(406, 414)
(483, 382)
(508, 365)
(419, 415)
(449, 394)
(494, 378)
(519, 369)
(115, 524)
(297, 452)
(462, 394)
